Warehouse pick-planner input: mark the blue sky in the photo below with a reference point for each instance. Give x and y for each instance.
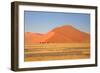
(42, 22)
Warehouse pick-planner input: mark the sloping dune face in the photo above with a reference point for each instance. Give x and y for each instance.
(32, 37)
(66, 34)
(63, 34)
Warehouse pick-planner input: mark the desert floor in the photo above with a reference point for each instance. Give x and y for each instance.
(56, 51)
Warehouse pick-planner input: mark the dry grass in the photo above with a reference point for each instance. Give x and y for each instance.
(56, 51)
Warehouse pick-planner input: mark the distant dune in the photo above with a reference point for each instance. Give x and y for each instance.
(62, 34)
(32, 37)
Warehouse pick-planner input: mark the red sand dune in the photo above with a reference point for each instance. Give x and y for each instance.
(32, 37)
(63, 34)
